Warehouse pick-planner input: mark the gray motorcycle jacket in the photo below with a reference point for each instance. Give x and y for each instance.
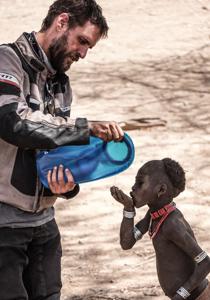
(34, 115)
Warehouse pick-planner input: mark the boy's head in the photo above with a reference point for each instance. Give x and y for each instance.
(158, 182)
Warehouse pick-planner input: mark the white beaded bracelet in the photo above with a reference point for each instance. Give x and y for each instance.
(183, 292)
(200, 257)
(129, 214)
(137, 233)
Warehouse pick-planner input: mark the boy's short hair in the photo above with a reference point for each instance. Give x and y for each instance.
(175, 173)
(79, 11)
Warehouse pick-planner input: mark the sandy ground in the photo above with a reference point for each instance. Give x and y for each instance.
(155, 64)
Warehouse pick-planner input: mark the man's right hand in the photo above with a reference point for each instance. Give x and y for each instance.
(107, 131)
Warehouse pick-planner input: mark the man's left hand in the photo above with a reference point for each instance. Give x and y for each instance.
(57, 183)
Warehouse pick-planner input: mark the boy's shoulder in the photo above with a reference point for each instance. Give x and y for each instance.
(174, 224)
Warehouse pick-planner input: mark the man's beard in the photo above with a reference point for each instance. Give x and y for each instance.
(60, 59)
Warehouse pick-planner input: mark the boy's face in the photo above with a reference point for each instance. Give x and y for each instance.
(143, 191)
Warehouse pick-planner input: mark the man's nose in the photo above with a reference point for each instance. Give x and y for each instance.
(83, 52)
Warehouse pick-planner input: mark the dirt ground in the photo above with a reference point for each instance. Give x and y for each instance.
(155, 64)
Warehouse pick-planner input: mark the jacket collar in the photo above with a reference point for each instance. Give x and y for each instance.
(36, 57)
(33, 53)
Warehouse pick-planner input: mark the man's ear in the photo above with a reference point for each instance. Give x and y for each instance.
(161, 189)
(62, 22)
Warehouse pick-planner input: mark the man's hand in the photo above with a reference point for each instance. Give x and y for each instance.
(57, 182)
(107, 131)
(122, 198)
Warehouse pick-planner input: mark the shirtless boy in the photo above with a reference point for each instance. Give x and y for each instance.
(182, 266)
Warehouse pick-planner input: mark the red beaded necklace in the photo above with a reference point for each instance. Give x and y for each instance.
(164, 212)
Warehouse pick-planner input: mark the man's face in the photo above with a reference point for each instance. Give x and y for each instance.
(72, 45)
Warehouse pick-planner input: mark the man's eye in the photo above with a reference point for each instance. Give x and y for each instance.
(83, 41)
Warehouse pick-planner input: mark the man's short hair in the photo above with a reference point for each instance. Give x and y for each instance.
(79, 11)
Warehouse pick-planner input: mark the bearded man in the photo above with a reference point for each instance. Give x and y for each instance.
(35, 102)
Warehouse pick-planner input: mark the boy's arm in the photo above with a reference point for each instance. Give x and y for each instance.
(178, 234)
(128, 233)
(143, 224)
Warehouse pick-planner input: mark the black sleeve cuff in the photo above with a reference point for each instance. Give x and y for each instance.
(68, 195)
(81, 123)
(72, 193)
(82, 128)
